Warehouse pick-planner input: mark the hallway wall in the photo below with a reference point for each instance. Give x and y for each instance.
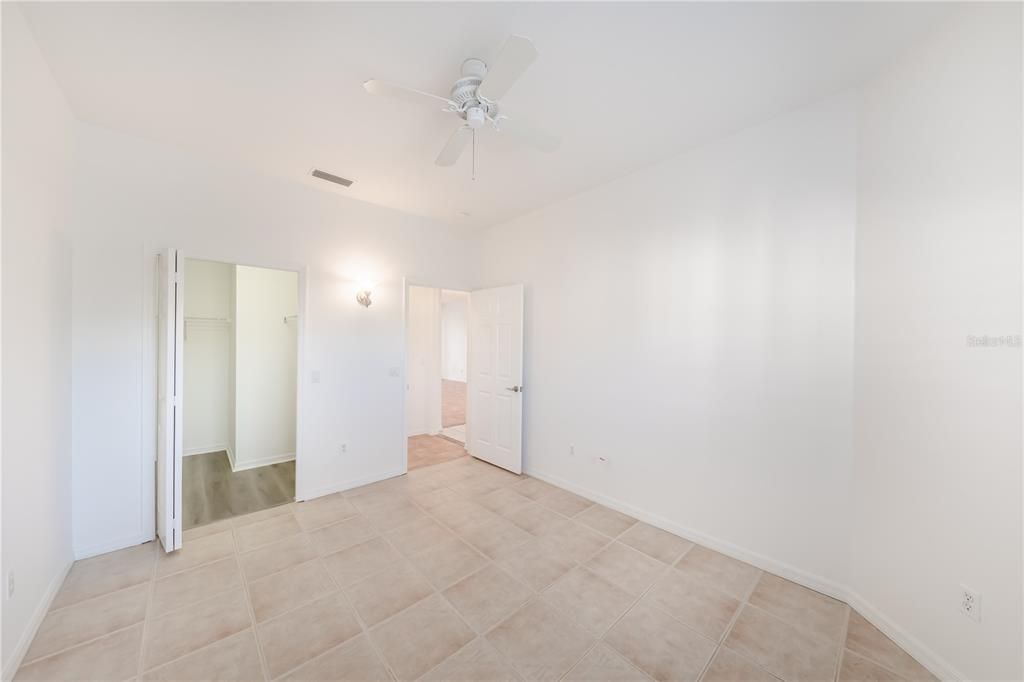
(454, 350)
(423, 361)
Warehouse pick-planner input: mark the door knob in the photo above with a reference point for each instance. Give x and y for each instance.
(514, 389)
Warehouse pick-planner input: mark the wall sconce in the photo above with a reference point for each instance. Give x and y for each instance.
(363, 298)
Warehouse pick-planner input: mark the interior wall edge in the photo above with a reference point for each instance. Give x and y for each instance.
(29, 633)
(924, 655)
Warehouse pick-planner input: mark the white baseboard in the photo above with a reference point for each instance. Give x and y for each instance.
(925, 656)
(25, 641)
(113, 545)
(204, 449)
(913, 646)
(815, 582)
(262, 462)
(305, 495)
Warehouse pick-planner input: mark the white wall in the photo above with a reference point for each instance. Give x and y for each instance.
(423, 361)
(454, 308)
(938, 424)
(209, 389)
(223, 213)
(36, 341)
(692, 323)
(265, 365)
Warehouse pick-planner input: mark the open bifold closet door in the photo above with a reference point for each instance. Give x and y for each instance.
(170, 347)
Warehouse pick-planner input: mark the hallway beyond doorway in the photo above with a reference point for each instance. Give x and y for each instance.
(453, 402)
(427, 450)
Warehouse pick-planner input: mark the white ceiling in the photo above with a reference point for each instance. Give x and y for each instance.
(277, 86)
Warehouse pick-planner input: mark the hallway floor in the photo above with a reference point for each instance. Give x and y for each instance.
(459, 571)
(453, 402)
(427, 451)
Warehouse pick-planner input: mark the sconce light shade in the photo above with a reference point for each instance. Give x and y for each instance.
(363, 298)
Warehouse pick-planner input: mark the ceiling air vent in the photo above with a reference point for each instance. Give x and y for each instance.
(323, 175)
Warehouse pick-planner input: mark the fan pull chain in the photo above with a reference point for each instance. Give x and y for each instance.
(474, 154)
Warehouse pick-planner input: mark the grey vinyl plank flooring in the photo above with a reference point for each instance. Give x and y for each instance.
(211, 491)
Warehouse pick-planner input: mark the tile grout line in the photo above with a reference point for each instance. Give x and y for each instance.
(364, 629)
(842, 643)
(218, 593)
(380, 534)
(145, 621)
(204, 647)
(253, 625)
(27, 661)
(539, 594)
(488, 561)
(248, 601)
(467, 492)
(435, 590)
(742, 602)
(80, 644)
(235, 555)
(317, 558)
(140, 667)
(335, 591)
(867, 657)
(600, 638)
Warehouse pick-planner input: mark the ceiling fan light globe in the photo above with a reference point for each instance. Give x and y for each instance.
(475, 117)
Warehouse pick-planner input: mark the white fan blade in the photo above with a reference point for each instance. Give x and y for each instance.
(515, 57)
(375, 87)
(526, 132)
(456, 143)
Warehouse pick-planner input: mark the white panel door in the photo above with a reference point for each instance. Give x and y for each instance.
(494, 406)
(171, 344)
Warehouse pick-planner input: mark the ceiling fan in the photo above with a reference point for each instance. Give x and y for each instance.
(475, 98)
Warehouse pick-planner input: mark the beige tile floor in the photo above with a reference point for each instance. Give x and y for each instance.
(459, 571)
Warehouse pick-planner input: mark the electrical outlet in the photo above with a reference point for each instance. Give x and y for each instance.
(10, 584)
(344, 448)
(572, 450)
(970, 603)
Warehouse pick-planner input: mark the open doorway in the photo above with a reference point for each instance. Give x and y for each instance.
(454, 312)
(436, 346)
(239, 390)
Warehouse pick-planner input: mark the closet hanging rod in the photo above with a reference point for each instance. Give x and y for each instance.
(207, 319)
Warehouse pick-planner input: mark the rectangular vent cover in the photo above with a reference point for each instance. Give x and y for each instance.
(323, 175)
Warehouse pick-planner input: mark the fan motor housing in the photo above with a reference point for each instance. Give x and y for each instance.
(464, 92)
